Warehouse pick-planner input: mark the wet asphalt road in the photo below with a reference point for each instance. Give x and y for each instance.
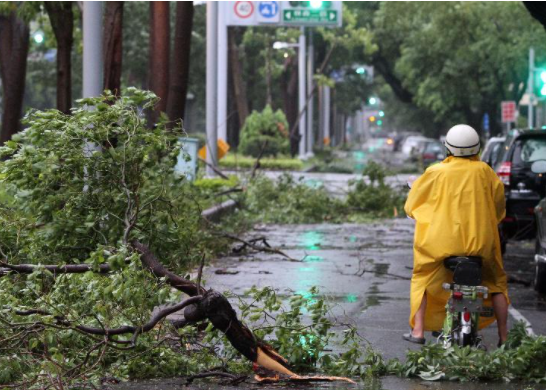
(365, 270)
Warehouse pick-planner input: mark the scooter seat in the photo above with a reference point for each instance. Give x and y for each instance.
(467, 270)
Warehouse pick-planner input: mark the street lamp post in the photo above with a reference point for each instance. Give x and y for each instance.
(211, 87)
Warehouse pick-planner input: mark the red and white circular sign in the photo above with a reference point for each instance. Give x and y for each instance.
(244, 9)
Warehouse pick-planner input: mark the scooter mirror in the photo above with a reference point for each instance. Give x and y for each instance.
(539, 166)
(410, 181)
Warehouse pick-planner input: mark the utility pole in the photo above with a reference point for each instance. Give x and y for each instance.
(92, 49)
(530, 91)
(326, 114)
(211, 88)
(302, 95)
(222, 72)
(310, 72)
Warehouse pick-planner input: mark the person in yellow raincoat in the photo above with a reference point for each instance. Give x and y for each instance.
(457, 205)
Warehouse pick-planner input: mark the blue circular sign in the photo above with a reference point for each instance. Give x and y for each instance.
(268, 9)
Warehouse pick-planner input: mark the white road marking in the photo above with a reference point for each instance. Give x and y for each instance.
(519, 317)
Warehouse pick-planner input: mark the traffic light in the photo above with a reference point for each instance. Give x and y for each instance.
(372, 101)
(360, 70)
(379, 122)
(542, 83)
(381, 113)
(372, 118)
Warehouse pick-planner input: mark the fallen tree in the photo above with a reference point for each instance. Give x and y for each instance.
(98, 233)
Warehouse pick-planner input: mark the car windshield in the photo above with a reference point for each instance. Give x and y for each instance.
(530, 150)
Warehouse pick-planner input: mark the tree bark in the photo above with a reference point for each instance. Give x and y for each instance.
(239, 86)
(159, 53)
(180, 67)
(289, 90)
(14, 39)
(113, 43)
(62, 21)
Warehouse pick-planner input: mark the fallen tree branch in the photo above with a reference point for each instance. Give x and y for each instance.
(233, 379)
(257, 163)
(266, 248)
(215, 169)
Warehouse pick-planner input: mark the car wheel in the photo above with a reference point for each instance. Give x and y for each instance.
(540, 270)
(540, 278)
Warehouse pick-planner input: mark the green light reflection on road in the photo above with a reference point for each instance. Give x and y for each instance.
(306, 269)
(352, 239)
(311, 240)
(313, 259)
(352, 298)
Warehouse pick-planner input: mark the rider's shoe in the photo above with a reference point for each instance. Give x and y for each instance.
(417, 340)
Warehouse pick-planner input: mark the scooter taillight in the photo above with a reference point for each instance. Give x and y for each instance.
(504, 172)
(458, 295)
(466, 316)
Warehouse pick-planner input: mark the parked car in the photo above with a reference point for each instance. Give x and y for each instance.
(490, 153)
(539, 167)
(523, 188)
(433, 151)
(412, 142)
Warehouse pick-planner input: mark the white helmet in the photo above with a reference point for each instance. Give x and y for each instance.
(462, 141)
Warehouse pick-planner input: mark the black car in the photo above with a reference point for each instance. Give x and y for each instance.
(523, 187)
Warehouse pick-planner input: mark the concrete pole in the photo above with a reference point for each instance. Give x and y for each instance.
(301, 91)
(211, 89)
(530, 85)
(326, 112)
(222, 72)
(92, 49)
(310, 104)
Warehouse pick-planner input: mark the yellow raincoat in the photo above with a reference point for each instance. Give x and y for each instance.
(457, 206)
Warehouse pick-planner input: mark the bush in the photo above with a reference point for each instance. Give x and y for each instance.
(232, 161)
(265, 126)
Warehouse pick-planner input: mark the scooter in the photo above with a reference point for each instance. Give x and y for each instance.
(465, 305)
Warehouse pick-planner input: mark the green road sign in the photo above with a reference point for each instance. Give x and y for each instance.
(322, 17)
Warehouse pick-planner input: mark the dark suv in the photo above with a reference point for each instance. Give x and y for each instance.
(523, 188)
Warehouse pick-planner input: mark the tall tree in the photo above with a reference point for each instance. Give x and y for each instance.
(113, 40)
(239, 86)
(180, 66)
(159, 52)
(61, 17)
(14, 40)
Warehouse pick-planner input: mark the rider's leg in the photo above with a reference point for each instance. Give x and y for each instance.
(419, 328)
(500, 306)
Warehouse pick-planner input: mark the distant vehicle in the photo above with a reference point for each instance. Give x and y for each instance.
(539, 167)
(412, 142)
(433, 151)
(523, 188)
(380, 143)
(490, 153)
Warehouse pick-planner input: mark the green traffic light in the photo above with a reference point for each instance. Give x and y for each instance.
(379, 122)
(381, 113)
(543, 79)
(360, 70)
(315, 4)
(372, 101)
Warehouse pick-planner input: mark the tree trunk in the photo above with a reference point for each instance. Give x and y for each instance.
(14, 37)
(62, 21)
(113, 41)
(180, 67)
(239, 86)
(159, 53)
(289, 87)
